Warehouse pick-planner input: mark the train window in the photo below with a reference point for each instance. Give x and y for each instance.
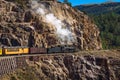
(14, 49)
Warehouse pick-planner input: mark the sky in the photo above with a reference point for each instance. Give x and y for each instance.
(81, 2)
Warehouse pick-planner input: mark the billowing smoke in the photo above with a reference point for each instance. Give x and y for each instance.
(63, 33)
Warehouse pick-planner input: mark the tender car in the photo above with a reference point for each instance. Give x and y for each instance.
(56, 49)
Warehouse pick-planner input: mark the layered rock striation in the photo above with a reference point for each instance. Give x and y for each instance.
(45, 24)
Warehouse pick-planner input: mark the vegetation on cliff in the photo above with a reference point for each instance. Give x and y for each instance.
(109, 25)
(107, 17)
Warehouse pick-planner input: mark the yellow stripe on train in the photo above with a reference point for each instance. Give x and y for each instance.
(10, 51)
(0, 51)
(26, 50)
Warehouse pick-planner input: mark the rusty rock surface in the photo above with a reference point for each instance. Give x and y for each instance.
(21, 25)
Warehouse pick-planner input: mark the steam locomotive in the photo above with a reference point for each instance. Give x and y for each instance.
(37, 50)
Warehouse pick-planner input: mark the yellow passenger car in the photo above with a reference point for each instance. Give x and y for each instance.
(25, 50)
(16, 50)
(0, 51)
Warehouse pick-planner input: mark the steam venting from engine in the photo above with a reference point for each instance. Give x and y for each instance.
(62, 31)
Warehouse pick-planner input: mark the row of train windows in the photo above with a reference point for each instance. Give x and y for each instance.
(11, 50)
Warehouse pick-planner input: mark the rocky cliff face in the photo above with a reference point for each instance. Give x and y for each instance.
(44, 24)
(97, 65)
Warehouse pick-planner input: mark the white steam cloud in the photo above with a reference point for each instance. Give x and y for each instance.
(64, 34)
(58, 24)
(40, 10)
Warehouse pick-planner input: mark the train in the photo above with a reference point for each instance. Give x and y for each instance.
(36, 50)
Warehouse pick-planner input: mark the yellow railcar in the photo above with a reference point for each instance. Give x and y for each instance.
(16, 50)
(25, 50)
(0, 51)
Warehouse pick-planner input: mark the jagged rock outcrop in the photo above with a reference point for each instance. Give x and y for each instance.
(66, 67)
(44, 24)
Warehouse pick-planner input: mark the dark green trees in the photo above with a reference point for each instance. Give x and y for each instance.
(109, 25)
(67, 2)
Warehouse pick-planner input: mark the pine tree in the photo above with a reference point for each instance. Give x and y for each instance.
(65, 1)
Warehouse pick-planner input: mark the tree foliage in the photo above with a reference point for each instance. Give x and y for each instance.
(67, 2)
(109, 25)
